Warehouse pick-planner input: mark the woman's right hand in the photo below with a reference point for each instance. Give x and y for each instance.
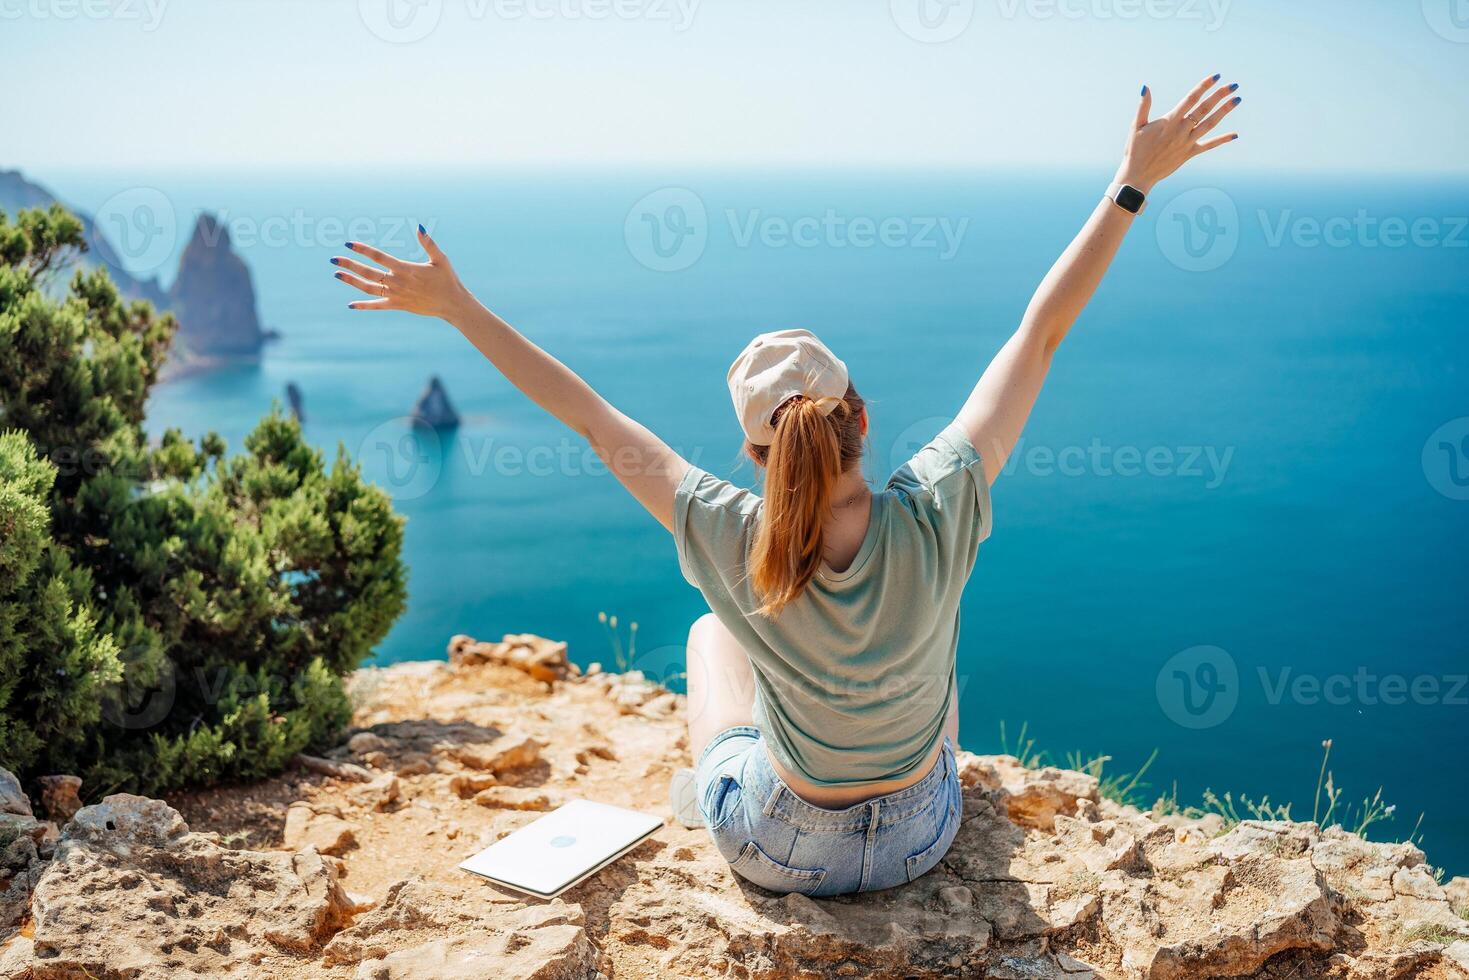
(429, 288)
(1157, 148)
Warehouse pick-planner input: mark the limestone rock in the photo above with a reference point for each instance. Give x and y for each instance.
(1457, 954)
(366, 743)
(1033, 797)
(1269, 905)
(466, 785)
(21, 867)
(1046, 877)
(415, 911)
(536, 943)
(213, 296)
(319, 826)
(60, 797)
(433, 408)
(514, 750)
(133, 893)
(12, 798)
(333, 768)
(295, 401)
(380, 794)
(513, 798)
(543, 659)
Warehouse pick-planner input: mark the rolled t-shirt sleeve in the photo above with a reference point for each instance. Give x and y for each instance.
(712, 521)
(945, 483)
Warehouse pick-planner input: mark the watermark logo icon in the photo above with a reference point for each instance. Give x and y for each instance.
(401, 21)
(1198, 687)
(140, 225)
(1446, 459)
(932, 21)
(908, 442)
(667, 230)
(1449, 19)
(134, 705)
(405, 458)
(1199, 230)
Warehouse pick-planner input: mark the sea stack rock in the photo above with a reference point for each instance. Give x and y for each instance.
(293, 399)
(214, 297)
(434, 408)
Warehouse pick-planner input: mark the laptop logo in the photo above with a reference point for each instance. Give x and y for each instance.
(562, 841)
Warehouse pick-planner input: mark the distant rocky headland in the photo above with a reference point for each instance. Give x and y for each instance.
(212, 294)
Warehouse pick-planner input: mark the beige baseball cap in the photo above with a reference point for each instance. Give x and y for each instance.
(777, 366)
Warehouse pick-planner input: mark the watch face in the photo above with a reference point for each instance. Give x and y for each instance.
(1130, 198)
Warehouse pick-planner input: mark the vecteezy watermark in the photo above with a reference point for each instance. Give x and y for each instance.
(408, 459)
(932, 21)
(832, 229)
(1198, 687)
(403, 457)
(669, 229)
(141, 700)
(1446, 459)
(1363, 230)
(1449, 19)
(401, 21)
(1363, 687)
(1209, 464)
(136, 704)
(1199, 230)
(146, 13)
(305, 229)
(1210, 14)
(140, 225)
(407, 21)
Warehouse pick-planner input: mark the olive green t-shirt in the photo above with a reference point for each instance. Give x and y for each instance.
(854, 678)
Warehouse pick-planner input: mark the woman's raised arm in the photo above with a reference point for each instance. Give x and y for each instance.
(649, 469)
(1000, 404)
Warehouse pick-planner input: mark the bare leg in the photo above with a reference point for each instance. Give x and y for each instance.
(721, 684)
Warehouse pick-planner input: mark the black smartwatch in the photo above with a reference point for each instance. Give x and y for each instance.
(1128, 198)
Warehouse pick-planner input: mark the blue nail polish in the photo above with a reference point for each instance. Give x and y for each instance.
(1234, 137)
(1145, 90)
(1237, 100)
(1234, 87)
(1216, 76)
(349, 245)
(422, 230)
(339, 275)
(336, 261)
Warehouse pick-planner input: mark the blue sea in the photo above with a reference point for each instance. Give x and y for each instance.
(1237, 526)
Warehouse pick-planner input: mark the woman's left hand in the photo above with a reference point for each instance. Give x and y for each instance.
(1156, 148)
(429, 288)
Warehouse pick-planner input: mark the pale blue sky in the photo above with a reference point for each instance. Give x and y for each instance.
(1340, 85)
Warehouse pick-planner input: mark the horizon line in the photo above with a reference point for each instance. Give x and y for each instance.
(40, 172)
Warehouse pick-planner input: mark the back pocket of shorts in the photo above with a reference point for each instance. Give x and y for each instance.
(948, 808)
(756, 866)
(723, 796)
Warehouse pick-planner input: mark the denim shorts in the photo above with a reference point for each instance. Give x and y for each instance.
(772, 837)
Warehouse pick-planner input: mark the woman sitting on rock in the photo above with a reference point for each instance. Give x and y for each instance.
(822, 705)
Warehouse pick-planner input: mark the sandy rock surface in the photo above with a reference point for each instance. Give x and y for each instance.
(322, 873)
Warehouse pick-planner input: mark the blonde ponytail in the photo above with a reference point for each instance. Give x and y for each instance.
(810, 452)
